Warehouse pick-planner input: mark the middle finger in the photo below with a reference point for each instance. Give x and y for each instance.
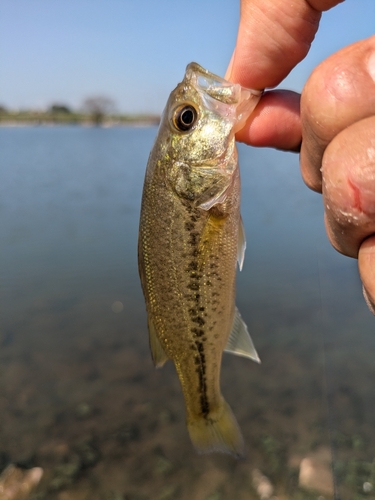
(340, 92)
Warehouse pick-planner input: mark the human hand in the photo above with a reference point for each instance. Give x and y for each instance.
(336, 120)
(338, 151)
(273, 37)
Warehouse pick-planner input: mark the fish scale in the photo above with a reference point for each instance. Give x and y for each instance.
(190, 239)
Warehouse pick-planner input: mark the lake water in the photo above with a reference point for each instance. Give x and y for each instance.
(79, 395)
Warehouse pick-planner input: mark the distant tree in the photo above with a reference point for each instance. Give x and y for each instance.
(59, 108)
(3, 109)
(98, 107)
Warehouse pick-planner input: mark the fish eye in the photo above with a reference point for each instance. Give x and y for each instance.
(185, 117)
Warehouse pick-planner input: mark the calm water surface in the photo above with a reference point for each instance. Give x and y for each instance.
(78, 392)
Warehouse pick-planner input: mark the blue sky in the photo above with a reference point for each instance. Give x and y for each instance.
(135, 51)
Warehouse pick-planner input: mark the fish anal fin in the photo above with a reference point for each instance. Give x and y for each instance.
(241, 245)
(217, 432)
(239, 341)
(158, 354)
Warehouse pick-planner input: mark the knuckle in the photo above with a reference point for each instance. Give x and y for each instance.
(348, 170)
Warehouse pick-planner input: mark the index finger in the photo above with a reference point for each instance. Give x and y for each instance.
(273, 37)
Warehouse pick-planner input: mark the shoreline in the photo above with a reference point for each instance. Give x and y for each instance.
(141, 123)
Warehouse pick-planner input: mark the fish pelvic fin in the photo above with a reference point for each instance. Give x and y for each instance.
(158, 354)
(217, 432)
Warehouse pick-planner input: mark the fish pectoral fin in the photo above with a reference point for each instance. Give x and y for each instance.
(239, 341)
(215, 193)
(158, 354)
(241, 244)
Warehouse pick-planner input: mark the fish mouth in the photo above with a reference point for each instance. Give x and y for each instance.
(217, 92)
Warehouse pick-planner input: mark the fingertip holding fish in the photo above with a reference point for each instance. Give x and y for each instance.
(228, 72)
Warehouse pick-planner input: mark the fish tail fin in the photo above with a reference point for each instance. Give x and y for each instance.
(217, 431)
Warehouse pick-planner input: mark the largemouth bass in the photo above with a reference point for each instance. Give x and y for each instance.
(190, 239)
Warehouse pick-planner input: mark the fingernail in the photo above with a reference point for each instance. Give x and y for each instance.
(366, 267)
(368, 301)
(371, 65)
(230, 66)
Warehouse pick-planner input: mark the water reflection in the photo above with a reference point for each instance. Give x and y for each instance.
(79, 396)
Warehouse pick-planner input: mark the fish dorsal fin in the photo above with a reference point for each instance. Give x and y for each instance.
(157, 351)
(241, 245)
(239, 341)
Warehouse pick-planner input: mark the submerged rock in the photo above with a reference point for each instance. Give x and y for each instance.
(262, 485)
(168, 492)
(83, 455)
(162, 466)
(315, 472)
(88, 452)
(215, 496)
(127, 433)
(83, 410)
(65, 474)
(17, 483)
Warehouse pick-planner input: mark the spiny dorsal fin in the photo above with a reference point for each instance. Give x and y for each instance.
(157, 351)
(239, 341)
(241, 245)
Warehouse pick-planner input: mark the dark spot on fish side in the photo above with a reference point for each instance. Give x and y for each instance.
(195, 216)
(194, 238)
(193, 286)
(204, 405)
(199, 320)
(201, 370)
(194, 275)
(199, 346)
(193, 266)
(197, 332)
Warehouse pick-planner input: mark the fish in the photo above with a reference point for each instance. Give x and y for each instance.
(191, 238)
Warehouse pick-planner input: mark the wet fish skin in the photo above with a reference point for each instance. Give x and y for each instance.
(190, 238)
